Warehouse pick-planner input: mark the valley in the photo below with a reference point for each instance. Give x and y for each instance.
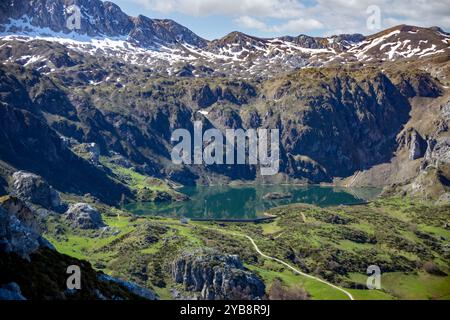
(87, 175)
(336, 249)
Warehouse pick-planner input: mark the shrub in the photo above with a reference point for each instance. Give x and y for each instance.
(279, 292)
(431, 268)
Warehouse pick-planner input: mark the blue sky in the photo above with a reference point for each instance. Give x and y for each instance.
(213, 19)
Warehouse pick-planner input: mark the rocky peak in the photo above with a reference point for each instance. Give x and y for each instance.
(345, 41)
(239, 38)
(98, 20)
(402, 42)
(237, 42)
(305, 41)
(181, 33)
(165, 44)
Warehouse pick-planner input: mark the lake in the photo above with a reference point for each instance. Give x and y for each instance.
(249, 202)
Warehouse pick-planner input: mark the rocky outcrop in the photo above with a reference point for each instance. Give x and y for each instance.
(417, 146)
(83, 216)
(438, 151)
(30, 268)
(89, 151)
(32, 188)
(132, 287)
(158, 196)
(277, 196)
(212, 276)
(430, 184)
(19, 231)
(235, 92)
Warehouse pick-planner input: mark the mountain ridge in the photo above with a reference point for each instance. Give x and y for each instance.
(163, 43)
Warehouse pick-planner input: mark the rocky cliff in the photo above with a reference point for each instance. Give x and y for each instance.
(28, 143)
(212, 276)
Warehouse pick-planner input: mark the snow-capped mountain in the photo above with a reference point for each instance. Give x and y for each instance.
(97, 20)
(169, 48)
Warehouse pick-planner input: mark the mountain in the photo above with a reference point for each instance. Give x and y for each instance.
(171, 49)
(98, 19)
(351, 109)
(86, 121)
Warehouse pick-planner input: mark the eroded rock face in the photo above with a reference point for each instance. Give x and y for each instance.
(212, 276)
(32, 188)
(84, 216)
(438, 151)
(418, 146)
(19, 232)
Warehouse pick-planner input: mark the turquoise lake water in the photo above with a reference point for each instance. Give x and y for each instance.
(247, 202)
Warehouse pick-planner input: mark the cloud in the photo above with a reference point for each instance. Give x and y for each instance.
(250, 23)
(260, 8)
(351, 16)
(324, 16)
(295, 26)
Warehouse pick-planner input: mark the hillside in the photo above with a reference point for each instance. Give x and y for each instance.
(86, 124)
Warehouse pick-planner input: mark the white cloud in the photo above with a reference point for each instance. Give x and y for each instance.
(295, 26)
(251, 23)
(350, 15)
(260, 8)
(324, 16)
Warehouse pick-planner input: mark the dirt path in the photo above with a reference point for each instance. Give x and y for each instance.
(295, 269)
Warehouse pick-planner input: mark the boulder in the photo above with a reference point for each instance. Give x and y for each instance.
(32, 188)
(213, 276)
(84, 216)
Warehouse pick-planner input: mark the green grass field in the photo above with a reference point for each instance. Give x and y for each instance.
(397, 236)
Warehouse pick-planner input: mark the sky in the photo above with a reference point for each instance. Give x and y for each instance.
(213, 19)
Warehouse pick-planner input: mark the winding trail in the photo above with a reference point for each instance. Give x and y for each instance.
(295, 269)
